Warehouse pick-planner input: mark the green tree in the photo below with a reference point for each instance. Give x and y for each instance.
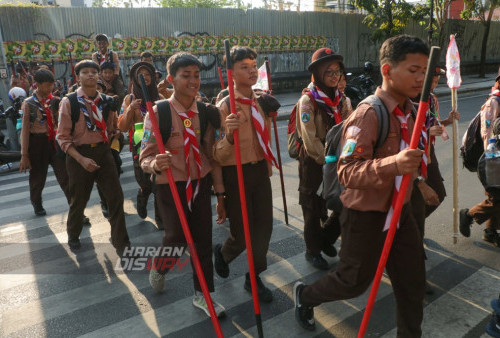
(482, 10)
(388, 17)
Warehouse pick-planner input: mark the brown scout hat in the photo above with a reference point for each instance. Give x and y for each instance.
(135, 67)
(322, 55)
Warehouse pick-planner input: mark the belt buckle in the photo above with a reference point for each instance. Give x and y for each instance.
(93, 145)
(254, 162)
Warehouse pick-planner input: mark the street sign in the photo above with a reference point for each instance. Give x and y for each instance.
(3, 73)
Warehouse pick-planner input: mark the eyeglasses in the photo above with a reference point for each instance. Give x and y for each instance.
(332, 73)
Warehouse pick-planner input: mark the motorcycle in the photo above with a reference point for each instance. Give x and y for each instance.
(10, 144)
(361, 86)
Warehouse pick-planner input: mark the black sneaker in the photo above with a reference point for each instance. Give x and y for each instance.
(142, 205)
(221, 267)
(491, 235)
(38, 208)
(329, 250)
(86, 221)
(74, 244)
(465, 222)
(104, 208)
(317, 261)
(304, 315)
(265, 295)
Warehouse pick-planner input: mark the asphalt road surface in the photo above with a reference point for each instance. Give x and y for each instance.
(46, 290)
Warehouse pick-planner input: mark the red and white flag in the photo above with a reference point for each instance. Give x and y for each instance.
(453, 64)
(262, 80)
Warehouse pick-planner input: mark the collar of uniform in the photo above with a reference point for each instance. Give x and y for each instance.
(179, 108)
(390, 102)
(238, 95)
(80, 92)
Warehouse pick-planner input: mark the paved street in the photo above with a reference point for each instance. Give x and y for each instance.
(46, 290)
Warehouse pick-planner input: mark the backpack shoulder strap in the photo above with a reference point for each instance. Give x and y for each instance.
(311, 97)
(207, 113)
(382, 117)
(106, 99)
(75, 109)
(164, 119)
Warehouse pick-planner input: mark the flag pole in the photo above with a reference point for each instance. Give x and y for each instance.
(243, 200)
(283, 195)
(452, 71)
(423, 106)
(180, 210)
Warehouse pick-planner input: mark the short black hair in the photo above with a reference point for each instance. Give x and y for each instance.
(44, 75)
(86, 64)
(108, 65)
(239, 53)
(181, 59)
(394, 49)
(146, 55)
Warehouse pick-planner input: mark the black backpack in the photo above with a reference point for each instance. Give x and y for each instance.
(331, 185)
(472, 143)
(207, 113)
(108, 103)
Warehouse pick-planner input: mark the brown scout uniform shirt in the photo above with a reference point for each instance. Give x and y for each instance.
(175, 144)
(116, 61)
(81, 134)
(37, 127)
(369, 178)
(251, 151)
(311, 128)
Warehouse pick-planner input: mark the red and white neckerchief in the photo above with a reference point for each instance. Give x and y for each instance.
(97, 115)
(260, 128)
(321, 97)
(48, 115)
(405, 143)
(495, 92)
(190, 143)
(103, 58)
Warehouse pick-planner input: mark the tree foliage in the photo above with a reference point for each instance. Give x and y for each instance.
(200, 3)
(389, 17)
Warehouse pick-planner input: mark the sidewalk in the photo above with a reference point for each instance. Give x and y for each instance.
(470, 83)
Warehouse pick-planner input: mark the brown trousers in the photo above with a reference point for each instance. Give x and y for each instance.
(80, 186)
(199, 220)
(362, 243)
(314, 207)
(488, 210)
(42, 153)
(260, 212)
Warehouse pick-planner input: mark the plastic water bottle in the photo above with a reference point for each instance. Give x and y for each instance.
(138, 134)
(330, 159)
(492, 156)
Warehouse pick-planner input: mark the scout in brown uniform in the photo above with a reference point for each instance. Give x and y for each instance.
(134, 110)
(105, 55)
(38, 142)
(488, 210)
(256, 158)
(22, 79)
(190, 173)
(90, 160)
(370, 179)
(318, 110)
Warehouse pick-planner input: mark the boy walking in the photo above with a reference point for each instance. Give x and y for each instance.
(256, 158)
(189, 156)
(369, 177)
(86, 141)
(38, 141)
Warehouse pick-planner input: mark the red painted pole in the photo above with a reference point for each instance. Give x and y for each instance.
(243, 200)
(283, 195)
(423, 106)
(180, 209)
(73, 75)
(221, 78)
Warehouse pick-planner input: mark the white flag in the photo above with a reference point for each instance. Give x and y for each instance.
(262, 79)
(453, 64)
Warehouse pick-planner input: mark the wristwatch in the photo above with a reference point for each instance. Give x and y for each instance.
(420, 179)
(223, 194)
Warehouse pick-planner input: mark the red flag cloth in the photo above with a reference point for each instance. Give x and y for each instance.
(453, 64)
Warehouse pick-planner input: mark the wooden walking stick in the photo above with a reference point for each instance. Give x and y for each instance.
(243, 199)
(180, 210)
(423, 106)
(454, 80)
(270, 87)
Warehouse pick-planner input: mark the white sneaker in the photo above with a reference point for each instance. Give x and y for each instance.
(156, 280)
(199, 302)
